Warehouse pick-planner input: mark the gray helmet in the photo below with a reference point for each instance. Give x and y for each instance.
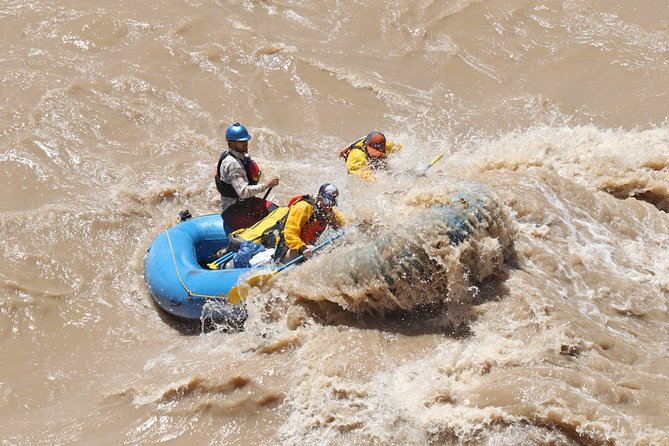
(329, 193)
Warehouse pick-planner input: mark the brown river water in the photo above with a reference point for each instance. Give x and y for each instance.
(552, 327)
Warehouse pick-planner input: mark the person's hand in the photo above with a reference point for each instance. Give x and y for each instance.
(273, 182)
(308, 253)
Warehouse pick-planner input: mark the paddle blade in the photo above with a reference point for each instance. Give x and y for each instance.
(260, 279)
(234, 295)
(239, 292)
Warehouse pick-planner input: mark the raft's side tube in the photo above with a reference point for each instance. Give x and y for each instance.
(437, 254)
(183, 287)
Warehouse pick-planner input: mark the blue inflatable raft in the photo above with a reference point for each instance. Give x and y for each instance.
(180, 281)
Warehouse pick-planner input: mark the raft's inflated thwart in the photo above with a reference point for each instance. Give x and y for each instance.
(179, 282)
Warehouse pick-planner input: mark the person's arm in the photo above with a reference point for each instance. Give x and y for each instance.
(298, 216)
(338, 220)
(393, 147)
(233, 173)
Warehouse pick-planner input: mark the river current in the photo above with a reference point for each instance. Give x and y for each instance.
(550, 328)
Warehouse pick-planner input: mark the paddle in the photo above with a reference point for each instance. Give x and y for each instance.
(235, 295)
(224, 258)
(267, 193)
(434, 161)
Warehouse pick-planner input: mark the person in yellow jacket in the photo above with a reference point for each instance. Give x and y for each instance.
(307, 219)
(368, 154)
(294, 229)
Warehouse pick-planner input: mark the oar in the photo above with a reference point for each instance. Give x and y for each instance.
(267, 193)
(434, 161)
(235, 295)
(218, 262)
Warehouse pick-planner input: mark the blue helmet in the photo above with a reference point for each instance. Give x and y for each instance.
(237, 132)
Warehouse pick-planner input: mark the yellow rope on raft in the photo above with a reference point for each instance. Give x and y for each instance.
(174, 259)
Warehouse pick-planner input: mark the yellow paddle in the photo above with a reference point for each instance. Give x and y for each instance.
(216, 264)
(434, 161)
(235, 295)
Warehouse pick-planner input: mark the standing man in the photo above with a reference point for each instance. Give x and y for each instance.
(238, 181)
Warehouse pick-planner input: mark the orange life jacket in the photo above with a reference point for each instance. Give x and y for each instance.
(317, 223)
